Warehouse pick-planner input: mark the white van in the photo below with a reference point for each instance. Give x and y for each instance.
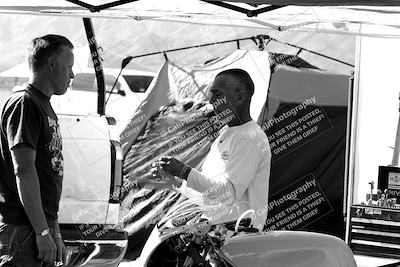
(129, 91)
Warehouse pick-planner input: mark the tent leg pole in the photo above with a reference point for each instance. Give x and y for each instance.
(352, 181)
(348, 145)
(98, 68)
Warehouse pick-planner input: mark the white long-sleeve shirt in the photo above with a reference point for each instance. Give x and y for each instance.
(236, 173)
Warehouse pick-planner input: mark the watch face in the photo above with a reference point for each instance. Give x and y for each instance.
(45, 232)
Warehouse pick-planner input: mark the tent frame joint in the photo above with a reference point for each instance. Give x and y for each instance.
(248, 12)
(99, 8)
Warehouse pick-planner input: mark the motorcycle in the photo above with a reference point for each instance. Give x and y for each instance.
(185, 238)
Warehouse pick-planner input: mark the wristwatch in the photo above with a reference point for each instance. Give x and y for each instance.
(184, 173)
(44, 232)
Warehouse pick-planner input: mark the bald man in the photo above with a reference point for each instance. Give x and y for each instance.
(236, 170)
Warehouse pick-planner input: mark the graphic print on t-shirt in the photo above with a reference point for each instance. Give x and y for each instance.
(225, 155)
(55, 147)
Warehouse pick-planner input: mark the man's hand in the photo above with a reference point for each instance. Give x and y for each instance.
(47, 248)
(171, 165)
(61, 250)
(158, 169)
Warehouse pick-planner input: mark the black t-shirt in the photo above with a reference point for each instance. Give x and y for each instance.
(26, 117)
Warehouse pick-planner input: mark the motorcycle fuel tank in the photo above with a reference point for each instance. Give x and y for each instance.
(287, 249)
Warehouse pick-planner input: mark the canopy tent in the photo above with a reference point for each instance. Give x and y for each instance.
(358, 18)
(349, 20)
(320, 2)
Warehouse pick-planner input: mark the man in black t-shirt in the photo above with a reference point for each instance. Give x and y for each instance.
(31, 162)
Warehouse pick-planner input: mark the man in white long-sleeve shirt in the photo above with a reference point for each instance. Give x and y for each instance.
(237, 168)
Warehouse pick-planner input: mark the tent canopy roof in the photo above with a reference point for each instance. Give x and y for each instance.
(321, 2)
(341, 16)
(254, 2)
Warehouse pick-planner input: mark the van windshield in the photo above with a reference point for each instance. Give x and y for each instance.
(138, 83)
(87, 82)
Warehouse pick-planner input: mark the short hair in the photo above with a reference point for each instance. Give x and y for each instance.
(242, 77)
(44, 47)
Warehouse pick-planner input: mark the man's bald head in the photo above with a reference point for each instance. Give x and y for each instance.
(240, 80)
(231, 93)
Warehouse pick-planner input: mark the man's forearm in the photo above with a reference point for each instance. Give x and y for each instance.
(57, 227)
(211, 188)
(29, 194)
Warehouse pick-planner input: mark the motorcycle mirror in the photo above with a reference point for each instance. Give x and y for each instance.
(121, 92)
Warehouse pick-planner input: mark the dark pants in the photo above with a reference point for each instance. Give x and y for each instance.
(18, 246)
